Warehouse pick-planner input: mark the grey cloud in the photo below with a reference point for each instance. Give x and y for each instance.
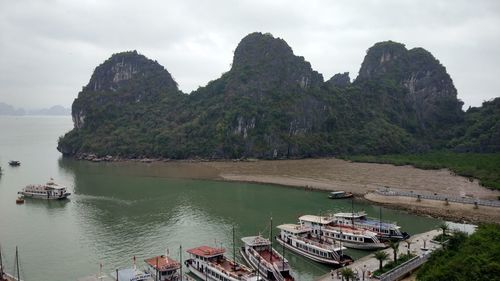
(48, 49)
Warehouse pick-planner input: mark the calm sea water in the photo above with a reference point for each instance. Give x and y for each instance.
(118, 211)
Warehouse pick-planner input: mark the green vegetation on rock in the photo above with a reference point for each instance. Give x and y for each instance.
(485, 167)
(466, 258)
(271, 104)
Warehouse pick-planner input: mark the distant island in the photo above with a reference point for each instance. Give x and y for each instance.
(272, 105)
(6, 109)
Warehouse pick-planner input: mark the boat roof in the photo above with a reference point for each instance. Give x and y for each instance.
(337, 192)
(131, 274)
(294, 228)
(162, 263)
(350, 215)
(256, 241)
(206, 251)
(316, 219)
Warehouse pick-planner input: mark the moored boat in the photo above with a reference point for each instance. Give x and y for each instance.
(163, 268)
(339, 195)
(209, 263)
(131, 274)
(14, 163)
(299, 239)
(48, 191)
(384, 230)
(324, 228)
(258, 253)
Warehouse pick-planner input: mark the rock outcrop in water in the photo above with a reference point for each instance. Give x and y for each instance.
(270, 104)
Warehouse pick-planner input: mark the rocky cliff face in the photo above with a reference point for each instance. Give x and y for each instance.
(429, 96)
(270, 104)
(340, 80)
(120, 80)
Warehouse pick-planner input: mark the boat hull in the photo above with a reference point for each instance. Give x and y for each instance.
(359, 246)
(45, 197)
(307, 255)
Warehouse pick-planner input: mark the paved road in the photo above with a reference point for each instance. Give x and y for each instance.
(369, 264)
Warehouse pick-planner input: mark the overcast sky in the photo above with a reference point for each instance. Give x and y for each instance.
(48, 49)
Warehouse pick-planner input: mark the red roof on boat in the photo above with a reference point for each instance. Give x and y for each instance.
(206, 251)
(163, 262)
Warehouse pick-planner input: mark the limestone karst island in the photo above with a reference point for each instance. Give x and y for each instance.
(250, 141)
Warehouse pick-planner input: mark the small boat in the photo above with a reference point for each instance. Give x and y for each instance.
(14, 163)
(259, 254)
(384, 230)
(131, 274)
(339, 195)
(299, 239)
(163, 268)
(209, 263)
(20, 200)
(351, 237)
(48, 191)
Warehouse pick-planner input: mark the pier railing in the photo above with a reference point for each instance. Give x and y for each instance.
(405, 268)
(465, 200)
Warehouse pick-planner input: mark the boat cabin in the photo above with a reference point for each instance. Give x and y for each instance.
(163, 268)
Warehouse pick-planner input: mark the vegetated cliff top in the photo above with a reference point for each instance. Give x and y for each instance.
(270, 104)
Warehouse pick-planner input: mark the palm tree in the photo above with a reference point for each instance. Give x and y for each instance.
(381, 256)
(444, 227)
(347, 273)
(394, 246)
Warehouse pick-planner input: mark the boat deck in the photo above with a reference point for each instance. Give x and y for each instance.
(269, 256)
(230, 268)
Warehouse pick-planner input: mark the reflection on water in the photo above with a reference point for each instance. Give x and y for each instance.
(118, 210)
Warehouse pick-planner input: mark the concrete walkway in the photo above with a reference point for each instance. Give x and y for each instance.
(369, 264)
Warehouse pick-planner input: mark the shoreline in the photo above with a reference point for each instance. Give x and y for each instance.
(328, 174)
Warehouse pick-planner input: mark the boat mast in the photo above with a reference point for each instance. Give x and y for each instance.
(283, 254)
(319, 235)
(17, 266)
(1, 264)
(352, 211)
(380, 221)
(180, 259)
(271, 240)
(234, 252)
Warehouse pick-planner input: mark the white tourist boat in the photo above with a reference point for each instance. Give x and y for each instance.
(163, 268)
(383, 229)
(209, 263)
(299, 239)
(356, 238)
(48, 191)
(131, 274)
(258, 252)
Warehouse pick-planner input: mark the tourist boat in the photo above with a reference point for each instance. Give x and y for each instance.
(209, 263)
(384, 230)
(299, 239)
(258, 252)
(339, 195)
(131, 274)
(351, 237)
(163, 268)
(49, 191)
(20, 200)
(14, 163)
